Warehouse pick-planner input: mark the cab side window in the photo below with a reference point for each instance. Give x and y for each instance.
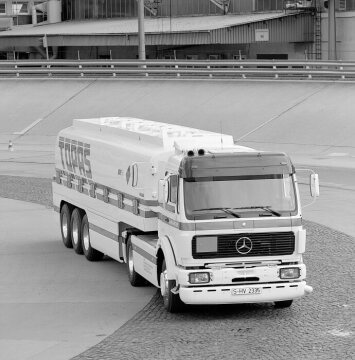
(173, 188)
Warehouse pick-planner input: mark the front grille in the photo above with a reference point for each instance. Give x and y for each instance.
(263, 244)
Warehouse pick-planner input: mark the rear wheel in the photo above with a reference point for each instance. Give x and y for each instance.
(90, 253)
(172, 302)
(65, 216)
(75, 226)
(283, 304)
(134, 278)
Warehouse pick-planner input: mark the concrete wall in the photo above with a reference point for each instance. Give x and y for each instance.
(297, 117)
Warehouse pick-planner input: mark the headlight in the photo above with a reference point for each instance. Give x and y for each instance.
(290, 273)
(199, 278)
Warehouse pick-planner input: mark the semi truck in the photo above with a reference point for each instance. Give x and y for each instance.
(187, 210)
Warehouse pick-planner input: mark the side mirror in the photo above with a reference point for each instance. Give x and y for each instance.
(311, 183)
(314, 186)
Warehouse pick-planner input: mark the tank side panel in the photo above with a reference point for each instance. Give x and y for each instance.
(106, 161)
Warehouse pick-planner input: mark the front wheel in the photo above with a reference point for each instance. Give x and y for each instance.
(283, 304)
(134, 278)
(90, 253)
(172, 302)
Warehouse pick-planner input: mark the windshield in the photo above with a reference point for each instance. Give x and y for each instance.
(265, 195)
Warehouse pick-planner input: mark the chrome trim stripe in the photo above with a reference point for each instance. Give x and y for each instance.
(296, 222)
(145, 254)
(142, 213)
(127, 196)
(148, 214)
(275, 222)
(234, 224)
(103, 232)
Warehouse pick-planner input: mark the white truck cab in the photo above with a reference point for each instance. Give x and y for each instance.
(207, 221)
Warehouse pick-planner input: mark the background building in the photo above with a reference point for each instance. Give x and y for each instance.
(181, 29)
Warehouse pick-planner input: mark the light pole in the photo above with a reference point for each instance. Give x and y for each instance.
(141, 35)
(332, 50)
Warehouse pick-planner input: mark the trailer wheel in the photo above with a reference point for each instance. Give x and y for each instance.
(90, 253)
(65, 226)
(75, 226)
(283, 304)
(134, 278)
(172, 302)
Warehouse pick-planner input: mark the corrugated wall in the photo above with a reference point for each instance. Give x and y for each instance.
(101, 9)
(297, 28)
(282, 30)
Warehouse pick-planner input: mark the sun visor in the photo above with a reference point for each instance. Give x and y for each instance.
(237, 164)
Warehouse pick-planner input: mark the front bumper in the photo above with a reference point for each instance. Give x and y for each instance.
(223, 294)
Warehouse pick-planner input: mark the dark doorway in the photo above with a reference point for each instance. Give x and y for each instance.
(272, 56)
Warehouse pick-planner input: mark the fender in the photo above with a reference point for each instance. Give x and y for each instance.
(169, 255)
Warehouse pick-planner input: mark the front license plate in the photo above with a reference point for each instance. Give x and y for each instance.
(246, 291)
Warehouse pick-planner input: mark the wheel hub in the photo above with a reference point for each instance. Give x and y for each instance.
(65, 225)
(75, 234)
(130, 261)
(86, 238)
(164, 283)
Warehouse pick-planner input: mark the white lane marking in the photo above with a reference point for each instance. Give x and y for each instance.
(28, 128)
(295, 104)
(338, 154)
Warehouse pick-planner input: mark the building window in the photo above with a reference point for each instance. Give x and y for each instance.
(2, 8)
(19, 8)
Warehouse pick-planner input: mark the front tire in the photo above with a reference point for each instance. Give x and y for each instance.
(172, 302)
(134, 278)
(65, 229)
(75, 227)
(283, 304)
(90, 253)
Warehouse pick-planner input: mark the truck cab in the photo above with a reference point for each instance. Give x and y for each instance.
(234, 223)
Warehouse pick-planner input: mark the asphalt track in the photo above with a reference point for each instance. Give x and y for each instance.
(311, 121)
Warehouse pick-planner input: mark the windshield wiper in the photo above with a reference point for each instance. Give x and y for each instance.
(265, 208)
(226, 210)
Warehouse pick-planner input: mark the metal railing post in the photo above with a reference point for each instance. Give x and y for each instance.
(209, 67)
(309, 75)
(342, 76)
(276, 75)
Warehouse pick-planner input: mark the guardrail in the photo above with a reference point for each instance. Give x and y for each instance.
(183, 69)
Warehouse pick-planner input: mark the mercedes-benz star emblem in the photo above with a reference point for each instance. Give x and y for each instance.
(243, 245)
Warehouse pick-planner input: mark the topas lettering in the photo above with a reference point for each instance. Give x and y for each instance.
(75, 157)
